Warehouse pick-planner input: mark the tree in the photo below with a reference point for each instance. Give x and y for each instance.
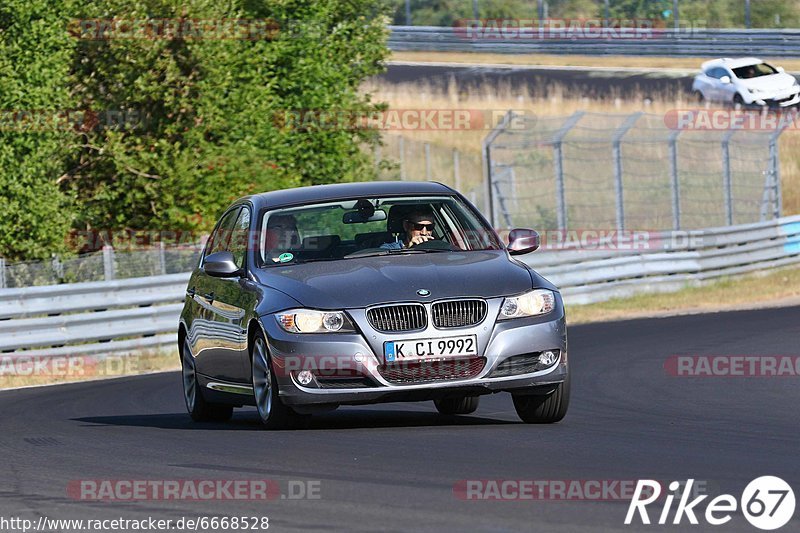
(35, 58)
(156, 114)
(204, 115)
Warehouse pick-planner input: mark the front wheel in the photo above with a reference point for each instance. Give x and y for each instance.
(457, 406)
(199, 409)
(543, 409)
(271, 410)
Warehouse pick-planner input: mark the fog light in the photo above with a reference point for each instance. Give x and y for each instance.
(304, 377)
(548, 358)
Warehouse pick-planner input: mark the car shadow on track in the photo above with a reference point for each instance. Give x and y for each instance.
(344, 419)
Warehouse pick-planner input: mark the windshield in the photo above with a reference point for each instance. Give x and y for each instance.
(362, 227)
(754, 71)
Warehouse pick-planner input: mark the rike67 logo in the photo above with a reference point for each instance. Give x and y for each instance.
(767, 503)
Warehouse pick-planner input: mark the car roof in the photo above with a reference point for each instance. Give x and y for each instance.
(731, 62)
(341, 191)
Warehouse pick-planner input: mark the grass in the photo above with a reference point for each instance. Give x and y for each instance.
(687, 63)
(772, 288)
(16, 372)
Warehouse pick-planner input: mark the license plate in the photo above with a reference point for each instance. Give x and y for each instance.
(421, 349)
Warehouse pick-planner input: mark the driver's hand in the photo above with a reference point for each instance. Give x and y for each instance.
(419, 239)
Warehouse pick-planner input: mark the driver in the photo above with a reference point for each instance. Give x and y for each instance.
(419, 226)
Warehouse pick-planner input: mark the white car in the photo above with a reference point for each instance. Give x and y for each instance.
(746, 81)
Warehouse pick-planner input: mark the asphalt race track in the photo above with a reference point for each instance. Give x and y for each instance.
(575, 82)
(394, 467)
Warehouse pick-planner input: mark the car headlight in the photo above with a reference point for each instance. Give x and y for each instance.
(312, 321)
(536, 302)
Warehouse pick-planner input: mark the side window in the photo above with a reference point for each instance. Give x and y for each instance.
(218, 242)
(240, 237)
(712, 73)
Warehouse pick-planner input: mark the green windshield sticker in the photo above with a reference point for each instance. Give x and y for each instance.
(285, 257)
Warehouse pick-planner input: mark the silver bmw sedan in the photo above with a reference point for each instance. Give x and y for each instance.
(311, 298)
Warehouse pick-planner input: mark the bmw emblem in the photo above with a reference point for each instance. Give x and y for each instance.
(424, 292)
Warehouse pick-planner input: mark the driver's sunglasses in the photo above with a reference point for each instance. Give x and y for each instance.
(420, 227)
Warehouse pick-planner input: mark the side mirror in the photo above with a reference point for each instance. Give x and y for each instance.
(780, 69)
(220, 265)
(522, 241)
(725, 80)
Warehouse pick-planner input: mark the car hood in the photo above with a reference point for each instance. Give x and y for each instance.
(774, 82)
(362, 282)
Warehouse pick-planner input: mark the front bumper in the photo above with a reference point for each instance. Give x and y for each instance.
(348, 368)
(778, 100)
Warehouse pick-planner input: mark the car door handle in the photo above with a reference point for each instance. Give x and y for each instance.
(209, 296)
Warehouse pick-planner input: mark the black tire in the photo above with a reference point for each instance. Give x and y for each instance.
(272, 412)
(738, 101)
(543, 408)
(699, 98)
(457, 406)
(199, 409)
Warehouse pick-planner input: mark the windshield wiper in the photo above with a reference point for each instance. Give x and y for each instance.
(393, 251)
(368, 253)
(420, 250)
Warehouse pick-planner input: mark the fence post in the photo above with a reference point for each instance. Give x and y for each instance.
(486, 154)
(162, 258)
(558, 168)
(58, 268)
(456, 170)
(2, 273)
(402, 159)
(775, 167)
(726, 177)
(674, 183)
(617, 153)
(108, 262)
(428, 161)
(377, 157)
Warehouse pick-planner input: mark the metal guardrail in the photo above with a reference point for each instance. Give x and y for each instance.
(142, 313)
(673, 260)
(663, 42)
(103, 317)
